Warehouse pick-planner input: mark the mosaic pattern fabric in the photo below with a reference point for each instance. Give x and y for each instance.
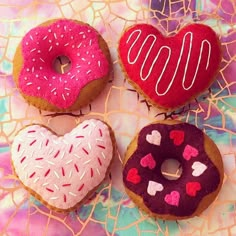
(110, 211)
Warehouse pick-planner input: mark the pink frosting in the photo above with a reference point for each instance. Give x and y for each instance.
(42, 45)
(62, 170)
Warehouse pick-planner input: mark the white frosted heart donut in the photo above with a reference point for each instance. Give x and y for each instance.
(62, 171)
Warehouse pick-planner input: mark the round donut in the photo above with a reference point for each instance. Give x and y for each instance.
(193, 191)
(44, 87)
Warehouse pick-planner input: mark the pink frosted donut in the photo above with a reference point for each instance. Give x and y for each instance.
(42, 85)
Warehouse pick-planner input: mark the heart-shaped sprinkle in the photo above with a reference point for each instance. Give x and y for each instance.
(198, 168)
(172, 198)
(148, 161)
(170, 70)
(154, 187)
(154, 138)
(177, 136)
(192, 188)
(133, 176)
(189, 152)
(62, 170)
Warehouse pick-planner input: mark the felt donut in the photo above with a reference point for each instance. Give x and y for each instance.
(62, 172)
(170, 71)
(37, 79)
(193, 191)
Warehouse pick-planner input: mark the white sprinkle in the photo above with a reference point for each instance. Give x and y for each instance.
(63, 154)
(67, 94)
(39, 51)
(103, 155)
(50, 49)
(53, 198)
(82, 59)
(49, 40)
(89, 145)
(42, 134)
(45, 184)
(73, 46)
(50, 162)
(33, 59)
(73, 76)
(65, 81)
(70, 174)
(54, 77)
(87, 52)
(56, 174)
(33, 69)
(27, 43)
(89, 71)
(58, 26)
(84, 36)
(34, 49)
(60, 79)
(72, 37)
(67, 89)
(89, 31)
(72, 194)
(66, 44)
(36, 180)
(55, 36)
(49, 30)
(81, 32)
(40, 67)
(25, 166)
(78, 66)
(90, 42)
(39, 167)
(68, 162)
(57, 44)
(45, 77)
(36, 75)
(25, 78)
(31, 37)
(53, 90)
(98, 139)
(29, 83)
(90, 131)
(45, 37)
(81, 177)
(79, 45)
(50, 85)
(55, 93)
(99, 63)
(98, 171)
(38, 88)
(56, 142)
(76, 79)
(56, 186)
(76, 156)
(78, 71)
(41, 59)
(63, 96)
(62, 36)
(65, 27)
(92, 56)
(36, 33)
(28, 69)
(86, 162)
(77, 145)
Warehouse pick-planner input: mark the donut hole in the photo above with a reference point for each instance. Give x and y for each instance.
(171, 169)
(61, 64)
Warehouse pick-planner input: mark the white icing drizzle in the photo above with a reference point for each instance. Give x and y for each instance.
(136, 35)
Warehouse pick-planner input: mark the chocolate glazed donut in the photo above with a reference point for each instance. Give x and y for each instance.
(199, 183)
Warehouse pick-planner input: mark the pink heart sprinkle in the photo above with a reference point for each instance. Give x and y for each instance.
(172, 198)
(148, 161)
(189, 152)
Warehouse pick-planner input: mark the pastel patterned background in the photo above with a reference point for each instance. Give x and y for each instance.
(110, 211)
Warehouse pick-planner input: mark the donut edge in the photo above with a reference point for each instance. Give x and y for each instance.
(89, 194)
(210, 148)
(140, 91)
(87, 94)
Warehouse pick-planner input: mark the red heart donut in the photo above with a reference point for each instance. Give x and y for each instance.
(170, 71)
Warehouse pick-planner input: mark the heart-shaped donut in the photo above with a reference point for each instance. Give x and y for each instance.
(62, 171)
(170, 71)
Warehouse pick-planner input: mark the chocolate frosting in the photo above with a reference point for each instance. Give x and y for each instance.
(187, 205)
